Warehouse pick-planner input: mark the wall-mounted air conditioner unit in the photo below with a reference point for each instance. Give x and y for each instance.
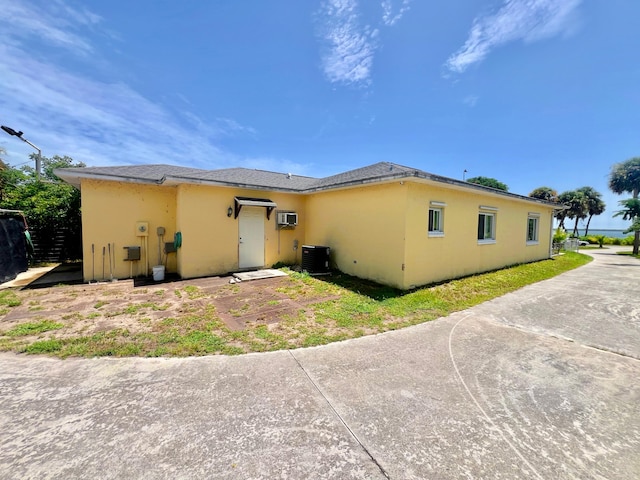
(287, 219)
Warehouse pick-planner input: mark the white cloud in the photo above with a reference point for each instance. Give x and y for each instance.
(22, 21)
(229, 127)
(349, 44)
(81, 17)
(389, 18)
(526, 20)
(219, 127)
(350, 47)
(92, 120)
(471, 100)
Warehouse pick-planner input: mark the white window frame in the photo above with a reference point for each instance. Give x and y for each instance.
(488, 212)
(535, 217)
(436, 207)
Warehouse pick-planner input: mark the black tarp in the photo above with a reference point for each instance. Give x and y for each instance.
(13, 247)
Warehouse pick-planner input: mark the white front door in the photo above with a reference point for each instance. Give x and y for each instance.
(251, 238)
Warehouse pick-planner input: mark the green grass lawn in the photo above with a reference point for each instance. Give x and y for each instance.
(355, 308)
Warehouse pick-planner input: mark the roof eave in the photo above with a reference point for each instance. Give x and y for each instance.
(74, 178)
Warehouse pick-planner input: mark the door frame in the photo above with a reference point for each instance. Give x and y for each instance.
(248, 219)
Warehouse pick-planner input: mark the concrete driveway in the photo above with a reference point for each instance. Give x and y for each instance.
(541, 383)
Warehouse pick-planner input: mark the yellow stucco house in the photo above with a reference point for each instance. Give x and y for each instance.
(389, 223)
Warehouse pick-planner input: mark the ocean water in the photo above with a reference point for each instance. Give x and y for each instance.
(607, 233)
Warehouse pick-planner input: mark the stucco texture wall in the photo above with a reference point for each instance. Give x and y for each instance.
(210, 237)
(458, 252)
(364, 226)
(110, 211)
(375, 231)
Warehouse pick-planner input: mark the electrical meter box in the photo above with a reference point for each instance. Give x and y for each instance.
(132, 253)
(142, 229)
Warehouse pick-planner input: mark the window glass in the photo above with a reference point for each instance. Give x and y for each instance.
(486, 226)
(435, 220)
(532, 229)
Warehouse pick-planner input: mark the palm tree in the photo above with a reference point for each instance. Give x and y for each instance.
(561, 215)
(594, 203)
(576, 204)
(545, 193)
(631, 212)
(625, 178)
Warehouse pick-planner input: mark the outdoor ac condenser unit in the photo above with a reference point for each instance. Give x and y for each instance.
(287, 218)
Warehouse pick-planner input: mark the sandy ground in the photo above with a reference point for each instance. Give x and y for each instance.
(90, 308)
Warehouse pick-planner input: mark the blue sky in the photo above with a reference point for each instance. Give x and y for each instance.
(531, 92)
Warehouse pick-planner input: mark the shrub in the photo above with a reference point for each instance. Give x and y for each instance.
(626, 241)
(560, 236)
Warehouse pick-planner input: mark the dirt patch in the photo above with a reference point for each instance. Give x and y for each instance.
(190, 317)
(261, 302)
(90, 309)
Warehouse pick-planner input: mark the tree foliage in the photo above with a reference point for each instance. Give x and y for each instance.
(582, 203)
(631, 211)
(489, 182)
(4, 174)
(593, 203)
(625, 178)
(576, 208)
(48, 204)
(547, 194)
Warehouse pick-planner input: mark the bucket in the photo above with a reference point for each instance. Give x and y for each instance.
(158, 273)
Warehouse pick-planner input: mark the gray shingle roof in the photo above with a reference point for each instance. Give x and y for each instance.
(238, 176)
(376, 172)
(149, 173)
(257, 178)
(262, 179)
(160, 174)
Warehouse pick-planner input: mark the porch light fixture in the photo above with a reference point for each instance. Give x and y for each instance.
(229, 212)
(12, 132)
